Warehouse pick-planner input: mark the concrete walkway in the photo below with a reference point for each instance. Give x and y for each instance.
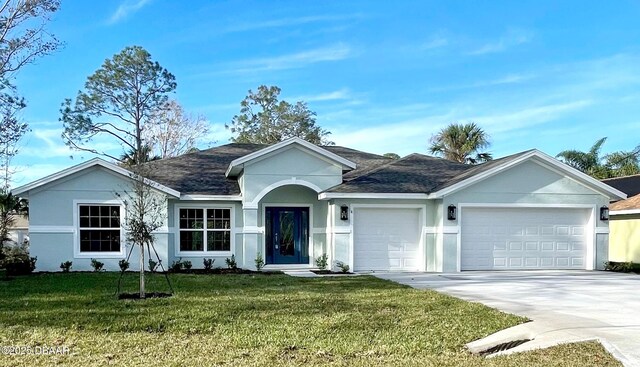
(565, 306)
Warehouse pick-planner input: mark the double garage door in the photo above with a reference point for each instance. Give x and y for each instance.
(387, 239)
(524, 238)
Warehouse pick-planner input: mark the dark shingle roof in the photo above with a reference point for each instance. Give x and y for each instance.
(415, 173)
(630, 185)
(200, 172)
(203, 172)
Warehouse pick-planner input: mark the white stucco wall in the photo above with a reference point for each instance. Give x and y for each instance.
(528, 183)
(53, 232)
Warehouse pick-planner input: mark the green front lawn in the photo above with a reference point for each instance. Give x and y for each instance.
(255, 320)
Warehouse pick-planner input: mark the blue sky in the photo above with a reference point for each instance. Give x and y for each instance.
(382, 76)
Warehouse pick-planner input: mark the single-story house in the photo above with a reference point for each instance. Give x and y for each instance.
(293, 201)
(624, 225)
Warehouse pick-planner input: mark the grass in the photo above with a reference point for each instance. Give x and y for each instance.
(255, 320)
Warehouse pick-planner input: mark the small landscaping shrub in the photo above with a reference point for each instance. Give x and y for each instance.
(180, 265)
(124, 265)
(66, 266)
(231, 262)
(342, 266)
(186, 265)
(322, 262)
(259, 262)
(621, 267)
(97, 265)
(16, 259)
(208, 264)
(176, 266)
(152, 265)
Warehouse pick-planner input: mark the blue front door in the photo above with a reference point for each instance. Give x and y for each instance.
(287, 235)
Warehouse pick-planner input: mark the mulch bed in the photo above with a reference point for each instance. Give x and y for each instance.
(136, 296)
(227, 271)
(329, 272)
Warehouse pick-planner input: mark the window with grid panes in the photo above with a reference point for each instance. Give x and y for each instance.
(205, 229)
(99, 228)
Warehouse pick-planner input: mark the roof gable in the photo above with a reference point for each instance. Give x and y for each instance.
(489, 169)
(237, 165)
(95, 162)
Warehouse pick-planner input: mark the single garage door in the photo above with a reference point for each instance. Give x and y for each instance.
(386, 239)
(524, 238)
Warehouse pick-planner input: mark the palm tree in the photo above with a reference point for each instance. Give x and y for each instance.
(615, 164)
(623, 163)
(461, 143)
(128, 159)
(588, 162)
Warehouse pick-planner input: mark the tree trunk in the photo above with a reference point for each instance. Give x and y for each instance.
(142, 292)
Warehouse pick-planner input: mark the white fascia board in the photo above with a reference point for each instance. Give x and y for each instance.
(580, 176)
(88, 164)
(236, 165)
(341, 195)
(564, 168)
(624, 212)
(211, 197)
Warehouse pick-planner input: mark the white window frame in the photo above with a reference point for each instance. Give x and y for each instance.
(205, 207)
(76, 227)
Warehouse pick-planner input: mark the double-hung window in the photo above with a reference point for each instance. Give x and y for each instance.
(99, 227)
(205, 229)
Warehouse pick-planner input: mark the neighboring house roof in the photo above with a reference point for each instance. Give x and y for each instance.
(628, 206)
(23, 190)
(630, 185)
(203, 172)
(20, 222)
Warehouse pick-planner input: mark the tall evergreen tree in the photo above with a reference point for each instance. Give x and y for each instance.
(264, 119)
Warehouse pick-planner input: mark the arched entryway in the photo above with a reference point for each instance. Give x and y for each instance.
(288, 214)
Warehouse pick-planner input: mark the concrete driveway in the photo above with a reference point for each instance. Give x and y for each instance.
(565, 306)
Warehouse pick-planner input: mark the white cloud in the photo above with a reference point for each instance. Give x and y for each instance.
(397, 129)
(507, 79)
(295, 60)
(46, 140)
(503, 122)
(434, 43)
(29, 173)
(341, 94)
(126, 8)
(288, 22)
(511, 39)
(218, 135)
(48, 143)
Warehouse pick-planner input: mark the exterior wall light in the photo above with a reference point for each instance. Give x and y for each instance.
(451, 212)
(604, 213)
(344, 212)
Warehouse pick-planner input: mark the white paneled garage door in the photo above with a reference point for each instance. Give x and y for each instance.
(524, 238)
(386, 239)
